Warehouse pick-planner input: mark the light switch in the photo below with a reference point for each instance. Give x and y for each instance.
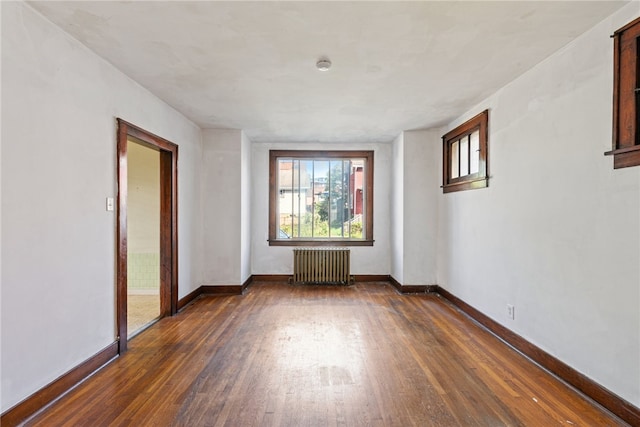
(110, 203)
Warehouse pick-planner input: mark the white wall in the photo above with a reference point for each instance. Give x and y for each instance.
(245, 208)
(227, 207)
(397, 210)
(557, 233)
(422, 158)
(59, 104)
(222, 201)
(414, 207)
(267, 259)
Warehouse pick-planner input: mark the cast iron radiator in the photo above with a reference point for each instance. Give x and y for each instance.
(321, 265)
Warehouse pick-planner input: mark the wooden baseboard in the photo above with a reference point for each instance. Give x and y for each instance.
(221, 290)
(371, 277)
(214, 290)
(271, 278)
(247, 283)
(189, 298)
(56, 389)
(412, 289)
(614, 403)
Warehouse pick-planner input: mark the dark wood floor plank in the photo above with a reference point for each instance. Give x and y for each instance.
(284, 355)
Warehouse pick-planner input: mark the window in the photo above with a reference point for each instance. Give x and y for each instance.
(626, 96)
(321, 198)
(464, 152)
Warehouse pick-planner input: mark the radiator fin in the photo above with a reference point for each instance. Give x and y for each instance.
(325, 265)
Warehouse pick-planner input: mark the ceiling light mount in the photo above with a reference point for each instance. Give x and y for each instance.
(323, 64)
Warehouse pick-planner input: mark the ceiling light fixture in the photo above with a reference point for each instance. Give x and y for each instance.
(323, 64)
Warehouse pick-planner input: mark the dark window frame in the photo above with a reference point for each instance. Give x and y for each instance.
(476, 180)
(274, 155)
(626, 96)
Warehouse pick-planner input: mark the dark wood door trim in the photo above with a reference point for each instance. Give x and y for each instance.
(168, 224)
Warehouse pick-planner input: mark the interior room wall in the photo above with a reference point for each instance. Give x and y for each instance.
(245, 221)
(223, 197)
(59, 107)
(557, 232)
(267, 259)
(420, 224)
(397, 210)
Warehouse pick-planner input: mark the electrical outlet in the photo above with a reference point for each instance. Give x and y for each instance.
(511, 311)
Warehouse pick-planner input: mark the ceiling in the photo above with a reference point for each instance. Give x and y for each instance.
(396, 65)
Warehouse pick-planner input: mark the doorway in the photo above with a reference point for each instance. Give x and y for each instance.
(147, 235)
(143, 236)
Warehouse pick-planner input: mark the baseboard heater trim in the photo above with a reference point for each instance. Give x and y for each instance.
(53, 391)
(606, 398)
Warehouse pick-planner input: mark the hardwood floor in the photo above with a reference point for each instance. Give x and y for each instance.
(321, 356)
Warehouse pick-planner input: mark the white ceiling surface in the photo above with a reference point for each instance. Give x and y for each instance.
(396, 65)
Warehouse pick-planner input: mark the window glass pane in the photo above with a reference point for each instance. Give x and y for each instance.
(357, 196)
(285, 205)
(475, 152)
(346, 198)
(321, 198)
(336, 198)
(295, 199)
(304, 212)
(454, 160)
(464, 156)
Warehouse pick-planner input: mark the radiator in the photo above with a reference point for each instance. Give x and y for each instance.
(328, 265)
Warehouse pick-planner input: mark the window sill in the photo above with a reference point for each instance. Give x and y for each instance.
(471, 184)
(625, 157)
(316, 243)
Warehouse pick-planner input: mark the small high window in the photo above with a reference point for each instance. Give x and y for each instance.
(321, 198)
(465, 155)
(626, 96)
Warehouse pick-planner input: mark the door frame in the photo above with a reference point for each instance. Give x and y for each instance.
(168, 224)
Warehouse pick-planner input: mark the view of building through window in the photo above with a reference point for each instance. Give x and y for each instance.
(320, 198)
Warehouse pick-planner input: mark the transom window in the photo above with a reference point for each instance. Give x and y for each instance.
(465, 155)
(321, 198)
(626, 96)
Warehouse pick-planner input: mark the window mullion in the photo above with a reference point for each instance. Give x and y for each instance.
(293, 168)
(350, 198)
(459, 162)
(341, 199)
(299, 191)
(468, 154)
(313, 197)
(329, 201)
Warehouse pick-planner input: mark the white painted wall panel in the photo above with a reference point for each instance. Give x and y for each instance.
(397, 210)
(245, 222)
(59, 104)
(557, 233)
(421, 194)
(222, 201)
